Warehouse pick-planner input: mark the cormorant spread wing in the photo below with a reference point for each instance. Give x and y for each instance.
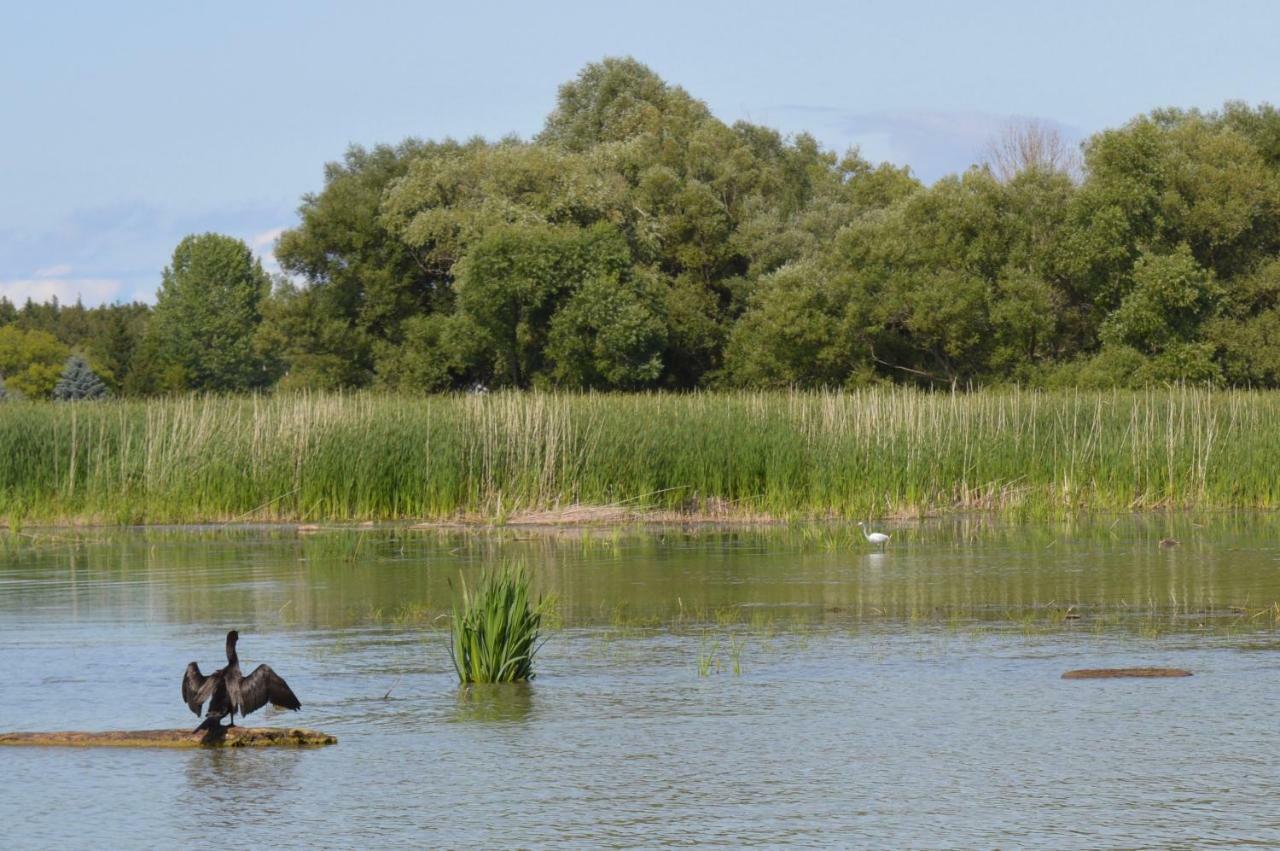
(265, 686)
(196, 687)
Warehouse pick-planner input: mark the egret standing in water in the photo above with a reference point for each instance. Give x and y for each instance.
(877, 538)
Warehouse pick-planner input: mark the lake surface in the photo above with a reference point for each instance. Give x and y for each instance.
(775, 687)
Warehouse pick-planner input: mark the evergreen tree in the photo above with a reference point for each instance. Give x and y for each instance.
(78, 382)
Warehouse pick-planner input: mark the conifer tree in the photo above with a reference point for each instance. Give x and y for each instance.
(78, 382)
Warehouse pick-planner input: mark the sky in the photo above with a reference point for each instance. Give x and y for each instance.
(125, 126)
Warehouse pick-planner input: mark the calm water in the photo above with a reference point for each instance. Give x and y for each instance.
(787, 687)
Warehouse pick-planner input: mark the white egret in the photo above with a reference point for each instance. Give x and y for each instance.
(877, 538)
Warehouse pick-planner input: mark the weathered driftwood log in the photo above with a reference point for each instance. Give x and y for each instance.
(1107, 673)
(221, 737)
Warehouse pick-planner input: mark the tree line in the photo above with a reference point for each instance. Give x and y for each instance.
(638, 242)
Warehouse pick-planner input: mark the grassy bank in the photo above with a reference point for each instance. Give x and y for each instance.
(867, 453)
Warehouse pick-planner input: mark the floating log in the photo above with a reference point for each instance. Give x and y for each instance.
(1109, 673)
(221, 737)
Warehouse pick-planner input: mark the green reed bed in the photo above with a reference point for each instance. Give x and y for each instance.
(869, 452)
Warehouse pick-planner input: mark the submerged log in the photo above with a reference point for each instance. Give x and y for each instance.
(220, 737)
(1108, 673)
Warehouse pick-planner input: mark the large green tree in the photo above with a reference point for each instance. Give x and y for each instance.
(207, 312)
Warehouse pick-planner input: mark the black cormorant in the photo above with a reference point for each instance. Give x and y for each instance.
(228, 691)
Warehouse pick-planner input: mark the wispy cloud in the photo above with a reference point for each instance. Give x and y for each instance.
(263, 246)
(44, 286)
(265, 239)
(53, 271)
(934, 143)
(118, 252)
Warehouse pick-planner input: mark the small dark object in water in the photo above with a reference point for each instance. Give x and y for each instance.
(228, 691)
(1111, 673)
(1169, 543)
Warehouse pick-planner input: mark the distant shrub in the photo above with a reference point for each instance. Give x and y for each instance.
(30, 361)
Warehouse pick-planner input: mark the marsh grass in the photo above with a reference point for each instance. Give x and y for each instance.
(709, 660)
(495, 627)
(625, 624)
(720, 649)
(414, 614)
(744, 455)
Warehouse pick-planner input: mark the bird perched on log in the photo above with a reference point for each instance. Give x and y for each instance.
(227, 691)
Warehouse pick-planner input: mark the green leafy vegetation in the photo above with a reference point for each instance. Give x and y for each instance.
(495, 628)
(638, 242)
(30, 361)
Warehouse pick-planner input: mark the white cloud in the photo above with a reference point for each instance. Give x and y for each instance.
(145, 294)
(40, 288)
(268, 237)
(129, 243)
(59, 271)
(933, 143)
(263, 246)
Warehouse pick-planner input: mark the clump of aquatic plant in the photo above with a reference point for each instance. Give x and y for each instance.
(710, 658)
(495, 627)
(737, 643)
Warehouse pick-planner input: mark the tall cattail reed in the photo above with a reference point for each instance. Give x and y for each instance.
(346, 457)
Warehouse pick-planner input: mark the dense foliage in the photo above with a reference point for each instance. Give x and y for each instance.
(639, 242)
(37, 339)
(207, 311)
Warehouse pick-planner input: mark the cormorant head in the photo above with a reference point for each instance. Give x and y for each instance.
(233, 637)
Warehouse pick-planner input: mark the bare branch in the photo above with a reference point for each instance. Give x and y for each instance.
(1030, 144)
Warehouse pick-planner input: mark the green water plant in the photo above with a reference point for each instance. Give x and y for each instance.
(495, 627)
(708, 656)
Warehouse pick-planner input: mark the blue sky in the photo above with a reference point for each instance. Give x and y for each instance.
(126, 125)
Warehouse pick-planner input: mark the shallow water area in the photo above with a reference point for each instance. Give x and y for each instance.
(738, 687)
